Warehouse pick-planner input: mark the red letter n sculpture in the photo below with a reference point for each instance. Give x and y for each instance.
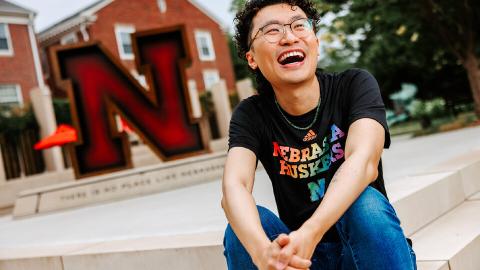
(99, 87)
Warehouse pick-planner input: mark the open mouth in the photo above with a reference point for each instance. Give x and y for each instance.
(291, 57)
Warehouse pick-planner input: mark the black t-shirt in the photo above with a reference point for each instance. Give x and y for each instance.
(301, 163)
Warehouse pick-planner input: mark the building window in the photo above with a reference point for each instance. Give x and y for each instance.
(162, 5)
(10, 95)
(205, 45)
(124, 41)
(5, 40)
(210, 78)
(69, 38)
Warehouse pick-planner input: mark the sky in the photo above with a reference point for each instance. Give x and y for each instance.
(51, 11)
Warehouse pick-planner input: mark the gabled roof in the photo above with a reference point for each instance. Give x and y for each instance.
(74, 16)
(9, 7)
(85, 15)
(88, 14)
(212, 16)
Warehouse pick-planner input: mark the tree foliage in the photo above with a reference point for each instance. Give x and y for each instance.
(432, 43)
(425, 41)
(239, 65)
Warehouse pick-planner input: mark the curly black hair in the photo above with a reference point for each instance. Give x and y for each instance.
(243, 27)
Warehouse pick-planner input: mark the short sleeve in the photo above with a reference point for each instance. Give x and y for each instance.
(243, 131)
(365, 100)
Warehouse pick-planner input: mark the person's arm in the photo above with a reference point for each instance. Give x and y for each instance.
(363, 149)
(242, 214)
(238, 202)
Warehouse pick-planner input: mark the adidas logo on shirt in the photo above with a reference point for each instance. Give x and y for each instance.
(310, 136)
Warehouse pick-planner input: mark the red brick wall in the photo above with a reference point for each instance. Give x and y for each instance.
(19, 68)
(145, 15)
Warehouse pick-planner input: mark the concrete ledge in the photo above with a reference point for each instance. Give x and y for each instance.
(49, 263)
(421, 193)
(10, 189)
(167, 242)
(474, 197)
(433, 265)
(469, 167)
(26, 206)
(121, 185)
(202, 258)
(192, 251)
(454, 237)
(52, 251)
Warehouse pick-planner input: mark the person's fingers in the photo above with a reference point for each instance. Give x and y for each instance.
(281, 258)
(299, 262)
(273, 253)
(294, 268)
(285, 255)
(283, 240)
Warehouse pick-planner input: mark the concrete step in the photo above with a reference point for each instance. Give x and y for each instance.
(441, 265)
(454, 237)
(180, 252)
(436, 192)
(468, 165)
(421, 193)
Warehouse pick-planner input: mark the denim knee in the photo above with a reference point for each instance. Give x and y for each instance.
(370, 214)
(271, 224)
(371, 233)
(235, 253)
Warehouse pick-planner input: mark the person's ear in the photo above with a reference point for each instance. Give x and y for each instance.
(251, 60)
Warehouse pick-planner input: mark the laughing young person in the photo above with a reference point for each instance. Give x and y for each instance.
(319, 137)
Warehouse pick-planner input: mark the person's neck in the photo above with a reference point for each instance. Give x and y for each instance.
(298, 99)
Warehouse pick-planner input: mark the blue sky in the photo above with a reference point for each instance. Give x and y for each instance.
(51, 11)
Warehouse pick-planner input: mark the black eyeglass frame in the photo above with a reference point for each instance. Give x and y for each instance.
(310, 21)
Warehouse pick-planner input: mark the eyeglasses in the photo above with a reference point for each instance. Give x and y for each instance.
(274, 32)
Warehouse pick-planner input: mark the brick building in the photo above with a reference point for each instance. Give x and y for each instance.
(20, 69)
(112, 21)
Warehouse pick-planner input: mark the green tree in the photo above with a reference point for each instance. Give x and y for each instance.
(409, 40)
(237, 5)
(425, 37)
(240, 66)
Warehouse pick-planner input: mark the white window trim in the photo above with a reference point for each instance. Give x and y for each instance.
(207, 72)
(13, 20)
(18, 89)
(162, 5)
(8, 52)
(122, 29)
(69, 38)
(205, 34)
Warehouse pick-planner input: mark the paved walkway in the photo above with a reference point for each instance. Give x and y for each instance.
(197, 208)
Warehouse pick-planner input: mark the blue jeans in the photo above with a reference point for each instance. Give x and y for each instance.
(370, 233)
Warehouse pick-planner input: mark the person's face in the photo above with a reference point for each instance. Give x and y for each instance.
(291, 60)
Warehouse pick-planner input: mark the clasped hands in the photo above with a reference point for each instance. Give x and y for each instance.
(288, 252)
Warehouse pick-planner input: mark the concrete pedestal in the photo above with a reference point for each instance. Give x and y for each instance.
(223, 109)
(43, 107)
(3, 177)
(245, 89)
